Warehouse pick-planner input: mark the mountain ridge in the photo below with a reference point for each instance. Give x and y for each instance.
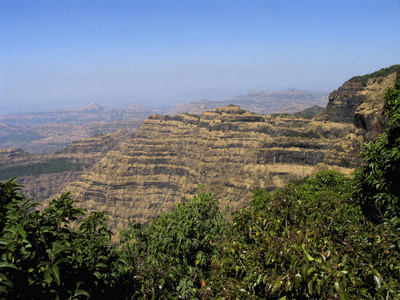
(256, 101)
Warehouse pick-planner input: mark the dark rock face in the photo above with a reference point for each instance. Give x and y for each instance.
(357, 102)
(305, 157)
(343, 103)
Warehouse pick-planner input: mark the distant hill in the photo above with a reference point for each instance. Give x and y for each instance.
(49, 131)
(261, 102)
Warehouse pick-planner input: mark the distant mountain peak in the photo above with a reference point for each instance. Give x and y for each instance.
(136, 108)
(257, 92)
(92, 107)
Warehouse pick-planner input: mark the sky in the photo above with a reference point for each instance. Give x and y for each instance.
(66, 54)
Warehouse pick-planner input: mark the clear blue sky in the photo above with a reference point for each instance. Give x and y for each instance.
(60, 53)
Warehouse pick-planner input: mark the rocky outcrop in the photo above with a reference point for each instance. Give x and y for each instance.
(358, 102)
(343, 103)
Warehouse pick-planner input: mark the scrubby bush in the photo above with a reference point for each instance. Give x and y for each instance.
(171, 256)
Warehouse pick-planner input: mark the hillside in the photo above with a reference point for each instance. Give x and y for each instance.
(229, 151)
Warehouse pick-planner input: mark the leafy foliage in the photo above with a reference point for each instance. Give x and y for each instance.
(172, 255)
(306, 242)
(42, 257)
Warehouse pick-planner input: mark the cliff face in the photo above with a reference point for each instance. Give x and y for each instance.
(358, 102)
(343, 103)
(229, 151)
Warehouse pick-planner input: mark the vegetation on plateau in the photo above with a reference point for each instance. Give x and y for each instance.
(328, 237)
(52, 166)
(380, 73)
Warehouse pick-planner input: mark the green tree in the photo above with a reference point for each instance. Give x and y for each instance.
(378, 184)
(43, 257)
(306, 241)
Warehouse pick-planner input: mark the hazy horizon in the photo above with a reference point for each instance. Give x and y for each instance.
(115, 101)
(60, 54)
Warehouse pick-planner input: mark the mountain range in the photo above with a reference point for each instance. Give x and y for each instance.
(261, 102)
(228, 151)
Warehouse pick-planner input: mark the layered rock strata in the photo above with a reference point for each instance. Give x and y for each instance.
(229, 151)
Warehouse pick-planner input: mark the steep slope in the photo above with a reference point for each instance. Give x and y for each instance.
(360, 97)
(359, 101)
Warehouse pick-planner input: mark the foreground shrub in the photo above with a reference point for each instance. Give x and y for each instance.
(42, 257)
(307, 242)
(171, 256)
